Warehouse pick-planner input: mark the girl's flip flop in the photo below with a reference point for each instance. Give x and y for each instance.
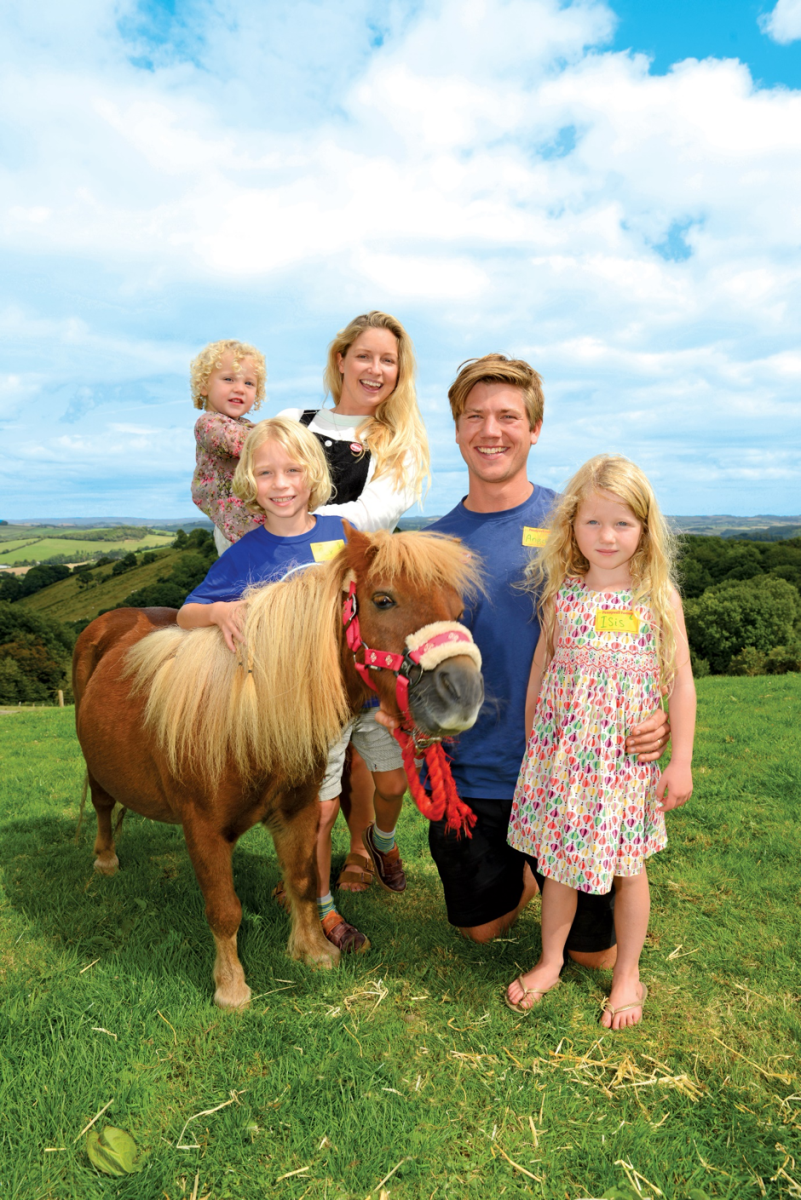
(625, 1007)
(517, 1006)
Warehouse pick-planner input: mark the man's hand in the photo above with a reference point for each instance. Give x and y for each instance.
(677, 781)
(386, 719)
(648, 739)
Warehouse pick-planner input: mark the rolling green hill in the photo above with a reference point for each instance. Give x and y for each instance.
(71, 600)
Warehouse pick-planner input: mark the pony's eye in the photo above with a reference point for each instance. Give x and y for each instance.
(383, 601)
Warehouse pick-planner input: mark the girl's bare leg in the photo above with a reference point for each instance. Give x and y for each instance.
(632, 909)
(558, 911)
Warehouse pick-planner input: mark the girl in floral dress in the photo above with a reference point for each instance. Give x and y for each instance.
(613, 638)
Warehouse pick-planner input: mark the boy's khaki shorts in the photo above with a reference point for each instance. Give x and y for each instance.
(376, 745)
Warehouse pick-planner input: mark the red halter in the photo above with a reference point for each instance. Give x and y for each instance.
(445, 800)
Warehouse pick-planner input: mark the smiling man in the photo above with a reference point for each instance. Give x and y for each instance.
(497, 404)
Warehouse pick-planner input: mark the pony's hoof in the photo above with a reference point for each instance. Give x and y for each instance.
(106, 864)
(232, 997)
(325, 956)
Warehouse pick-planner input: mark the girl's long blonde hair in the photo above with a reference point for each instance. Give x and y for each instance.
(652, 566)
(396, 436)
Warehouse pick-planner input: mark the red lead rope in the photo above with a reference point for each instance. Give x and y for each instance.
(444, 800)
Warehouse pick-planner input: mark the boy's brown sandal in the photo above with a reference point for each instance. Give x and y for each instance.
(387, 863)
(344, 936)
(357, 873)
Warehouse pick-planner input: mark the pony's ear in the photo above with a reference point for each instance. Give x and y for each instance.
(362, 543)
(360, 548)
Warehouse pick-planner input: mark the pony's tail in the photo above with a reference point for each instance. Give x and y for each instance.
(83, 805)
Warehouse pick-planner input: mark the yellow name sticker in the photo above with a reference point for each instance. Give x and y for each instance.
(534, 537)
(324, 551)
(610, 620)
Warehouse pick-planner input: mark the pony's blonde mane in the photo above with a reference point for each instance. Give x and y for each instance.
(280, 702)
(258, 710)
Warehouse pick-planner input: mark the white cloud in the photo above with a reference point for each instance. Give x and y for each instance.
(484, 167)
(783, 24)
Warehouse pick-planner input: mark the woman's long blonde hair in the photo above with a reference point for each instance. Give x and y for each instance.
(652, 567)
(396, 436)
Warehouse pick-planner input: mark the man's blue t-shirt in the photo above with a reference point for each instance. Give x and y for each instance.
(261, 557)
(487, 758)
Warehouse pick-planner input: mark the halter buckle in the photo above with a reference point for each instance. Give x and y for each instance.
(407, 666)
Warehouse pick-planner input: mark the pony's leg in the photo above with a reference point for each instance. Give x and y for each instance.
(294, 839)
(106, 862)
(211, 855)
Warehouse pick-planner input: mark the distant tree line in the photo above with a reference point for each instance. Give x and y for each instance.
(742, 600)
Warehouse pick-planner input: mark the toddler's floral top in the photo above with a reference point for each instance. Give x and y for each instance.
(220, 441)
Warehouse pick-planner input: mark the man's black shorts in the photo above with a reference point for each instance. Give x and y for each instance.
(483, 878)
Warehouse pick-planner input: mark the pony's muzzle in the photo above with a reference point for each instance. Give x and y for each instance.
(448, 699)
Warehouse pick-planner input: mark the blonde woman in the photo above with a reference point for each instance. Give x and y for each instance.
(377, 450)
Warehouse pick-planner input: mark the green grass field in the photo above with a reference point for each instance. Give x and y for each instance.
(402, 1074)
(45, 543)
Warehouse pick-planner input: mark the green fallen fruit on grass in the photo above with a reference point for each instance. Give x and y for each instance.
(114, 1151)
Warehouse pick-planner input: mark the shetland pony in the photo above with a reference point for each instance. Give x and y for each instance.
(179, 729)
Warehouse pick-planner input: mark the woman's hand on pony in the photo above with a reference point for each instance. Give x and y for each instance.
(675, 786)
(648, 739)
(227, 615)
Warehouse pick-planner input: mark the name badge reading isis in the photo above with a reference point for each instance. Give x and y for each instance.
(534, 537)
(323, 551)
(610, 620)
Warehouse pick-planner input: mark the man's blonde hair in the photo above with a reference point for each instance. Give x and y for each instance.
(300, 445)
(497, 368)
(210, 359)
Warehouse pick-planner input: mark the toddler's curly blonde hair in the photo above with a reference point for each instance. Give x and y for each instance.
(210, 358)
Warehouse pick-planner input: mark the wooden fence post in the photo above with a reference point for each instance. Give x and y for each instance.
(60, 698)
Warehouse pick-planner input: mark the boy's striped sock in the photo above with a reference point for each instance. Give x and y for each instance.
(325, 905)
(384, 841)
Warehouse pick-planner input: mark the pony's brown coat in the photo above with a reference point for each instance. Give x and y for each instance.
(173, 727)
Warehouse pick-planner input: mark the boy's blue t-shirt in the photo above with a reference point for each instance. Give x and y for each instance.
(261, 557)
(487, 758)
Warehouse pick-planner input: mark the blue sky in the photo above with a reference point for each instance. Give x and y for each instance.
(607, 189)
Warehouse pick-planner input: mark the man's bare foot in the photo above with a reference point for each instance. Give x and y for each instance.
(523, 993)
(625, 1004)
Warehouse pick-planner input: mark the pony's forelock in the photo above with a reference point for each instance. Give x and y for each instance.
(424, 559)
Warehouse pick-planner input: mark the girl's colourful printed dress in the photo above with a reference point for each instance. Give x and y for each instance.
(583, 807)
